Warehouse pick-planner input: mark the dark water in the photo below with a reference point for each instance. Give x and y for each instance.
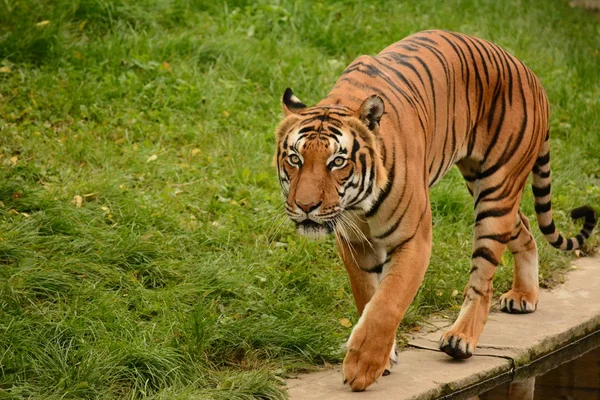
(578, 379)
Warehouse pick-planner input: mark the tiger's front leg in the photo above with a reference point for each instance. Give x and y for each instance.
(364, 263)
(373, 338)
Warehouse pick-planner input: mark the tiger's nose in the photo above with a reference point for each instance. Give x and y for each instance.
(307, 208)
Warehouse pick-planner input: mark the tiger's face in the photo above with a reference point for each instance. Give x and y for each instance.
(327, 161)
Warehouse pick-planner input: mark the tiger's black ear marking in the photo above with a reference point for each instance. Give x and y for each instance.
(371, 110)
(291, 104)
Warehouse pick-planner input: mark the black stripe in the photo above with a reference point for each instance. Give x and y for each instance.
(486, 254)
(580, 240)
(546, 230)
(541, 191)
(570, 244)
(487, 192)
(542, 208)
(542, 175)
(543, 160)
(393, 228)
(411, 237)
(500, 238)
(515, 236)
(494, 212)
(335, 131)
(480, 293)
(558, 242)
(384, 193)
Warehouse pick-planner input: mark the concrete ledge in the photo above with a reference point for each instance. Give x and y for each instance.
(509, 341)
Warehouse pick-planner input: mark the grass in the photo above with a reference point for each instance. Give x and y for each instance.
(142, 253)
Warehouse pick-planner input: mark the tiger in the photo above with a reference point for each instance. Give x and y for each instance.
(359, 165)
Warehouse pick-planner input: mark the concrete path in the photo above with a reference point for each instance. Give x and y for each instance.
(509, 341)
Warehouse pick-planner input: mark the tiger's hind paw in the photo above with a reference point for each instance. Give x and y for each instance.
(514, 302)
(393, 360)
(456, 345)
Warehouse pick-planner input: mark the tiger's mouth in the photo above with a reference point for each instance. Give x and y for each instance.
(314, 230)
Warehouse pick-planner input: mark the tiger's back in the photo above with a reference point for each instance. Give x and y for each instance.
(459, 91)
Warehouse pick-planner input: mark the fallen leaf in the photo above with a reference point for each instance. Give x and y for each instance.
(454, 293)
(226, 114)
(5, 70)
(577, 253)
(153, 157)
(14, 160)
(42, 23)
(195, 151)
(166, 66)
(345, 322)
(146, 236)
(77, 200)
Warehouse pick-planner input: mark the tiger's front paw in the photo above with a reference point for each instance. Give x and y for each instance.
(368, 357)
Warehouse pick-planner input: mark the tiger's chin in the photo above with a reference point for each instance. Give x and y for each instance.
(313, 230)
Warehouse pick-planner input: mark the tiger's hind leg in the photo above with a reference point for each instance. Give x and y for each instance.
(494, 224)
(523, 296)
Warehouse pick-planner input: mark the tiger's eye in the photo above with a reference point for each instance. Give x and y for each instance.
(339, 161)
(295, 159)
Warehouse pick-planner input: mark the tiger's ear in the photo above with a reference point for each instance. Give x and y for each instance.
(291, 104)
(370, 111)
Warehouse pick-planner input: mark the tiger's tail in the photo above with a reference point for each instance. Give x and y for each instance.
(543, 207)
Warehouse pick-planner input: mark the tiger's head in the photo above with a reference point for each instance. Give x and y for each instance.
(328, 161)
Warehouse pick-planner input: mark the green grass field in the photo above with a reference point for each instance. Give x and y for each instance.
(144, 252)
